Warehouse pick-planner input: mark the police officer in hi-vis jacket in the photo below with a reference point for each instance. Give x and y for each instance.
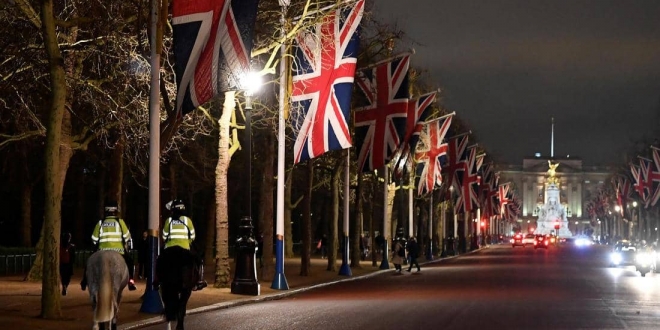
(112, 234)
(179, 230)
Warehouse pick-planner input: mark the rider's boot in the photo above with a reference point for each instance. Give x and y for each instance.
(201, 284)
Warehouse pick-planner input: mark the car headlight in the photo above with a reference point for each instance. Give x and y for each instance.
(616, 258)
(644, 258)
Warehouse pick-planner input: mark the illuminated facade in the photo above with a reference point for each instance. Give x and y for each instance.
(578, 184)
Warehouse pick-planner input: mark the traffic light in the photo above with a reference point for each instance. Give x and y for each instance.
(483, 224)
(557, 226)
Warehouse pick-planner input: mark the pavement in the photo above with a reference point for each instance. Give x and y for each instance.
(20, 301)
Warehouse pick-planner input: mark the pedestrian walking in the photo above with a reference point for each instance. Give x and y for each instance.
(67, 258)
(413, 253)
(398, 254)
(324, 246)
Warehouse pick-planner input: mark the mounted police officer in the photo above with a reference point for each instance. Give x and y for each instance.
(112, 234)
(179, 230)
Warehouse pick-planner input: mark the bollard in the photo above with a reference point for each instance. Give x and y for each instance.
(245, 277)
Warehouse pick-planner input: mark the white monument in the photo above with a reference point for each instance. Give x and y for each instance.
(553, 212)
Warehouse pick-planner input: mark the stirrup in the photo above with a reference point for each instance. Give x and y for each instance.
(200, 285)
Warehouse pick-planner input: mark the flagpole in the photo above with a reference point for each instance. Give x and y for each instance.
(152, 302)
(384, 263)
(429, 251)
(279, 280)
(345, 269)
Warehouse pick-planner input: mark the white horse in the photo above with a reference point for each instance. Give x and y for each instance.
(107, 276)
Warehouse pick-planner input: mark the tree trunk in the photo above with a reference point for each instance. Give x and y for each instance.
(222, 269)
(307, 222)
(26, 214)
(53, 181)
(356, 226)
(210, 233)
(117, 175)
(288, 208)
(266, 212)
(333, 243)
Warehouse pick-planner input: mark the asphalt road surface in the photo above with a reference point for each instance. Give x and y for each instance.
(499, 287)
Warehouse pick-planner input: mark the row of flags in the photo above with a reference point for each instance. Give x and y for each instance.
(641, 183)
(212, 43)
(646, 178)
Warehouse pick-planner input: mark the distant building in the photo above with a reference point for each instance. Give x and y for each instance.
(578, 185)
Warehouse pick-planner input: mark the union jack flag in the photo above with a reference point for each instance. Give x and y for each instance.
(654, 177)
(323, 83)
(488, 190)
(431, 154)
(456, 158)
(419, 111)
(466, 184)
(646, 169)
(623, 192)
(380, 124)
(638, 186)
(212, 45)
(505, 197)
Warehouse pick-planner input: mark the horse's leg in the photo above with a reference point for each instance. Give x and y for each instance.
(168, 325)
(181, 313)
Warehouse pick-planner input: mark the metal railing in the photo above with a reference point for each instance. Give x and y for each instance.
(20, 264)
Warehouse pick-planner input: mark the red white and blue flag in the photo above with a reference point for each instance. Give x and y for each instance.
(431, 154)
(212, 45)
(646, 183)
(505, 197)
(419, 111)
(466, 183)
(456, 158)
(654, 177)
(326, 58)
(638, 185)
(380, 122)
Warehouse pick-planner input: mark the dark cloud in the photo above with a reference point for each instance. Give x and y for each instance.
(507, 67)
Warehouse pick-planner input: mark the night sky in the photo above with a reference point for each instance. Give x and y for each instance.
(507, 67)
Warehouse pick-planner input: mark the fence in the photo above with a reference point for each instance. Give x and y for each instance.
(20, 264)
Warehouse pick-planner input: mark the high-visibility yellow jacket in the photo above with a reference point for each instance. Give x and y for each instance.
(179, 232)
(111, 233)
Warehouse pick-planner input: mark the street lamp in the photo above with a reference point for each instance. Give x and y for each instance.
(245, 276)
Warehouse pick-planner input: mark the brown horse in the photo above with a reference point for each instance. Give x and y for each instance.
(177, 275)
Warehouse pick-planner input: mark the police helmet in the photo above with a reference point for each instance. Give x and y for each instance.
(176, 205)
(111, 208)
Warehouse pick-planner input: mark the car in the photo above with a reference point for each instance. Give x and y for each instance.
(623, 253)
(541, 241)
(517, 240)
(529, 239)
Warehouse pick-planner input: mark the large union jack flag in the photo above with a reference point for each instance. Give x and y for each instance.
(212, 45)
(431, 154)
(323, 83)
(466, 183)
(455, 159)
(380, 124)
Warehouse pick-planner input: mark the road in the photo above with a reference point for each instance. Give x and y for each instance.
(495, 288)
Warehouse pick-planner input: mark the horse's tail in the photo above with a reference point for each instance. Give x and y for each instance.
(105, 308)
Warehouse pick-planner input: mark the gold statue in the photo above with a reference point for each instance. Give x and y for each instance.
(552, 172)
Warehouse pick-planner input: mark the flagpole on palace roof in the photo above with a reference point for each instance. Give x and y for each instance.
(279, 280)
(152, 302)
